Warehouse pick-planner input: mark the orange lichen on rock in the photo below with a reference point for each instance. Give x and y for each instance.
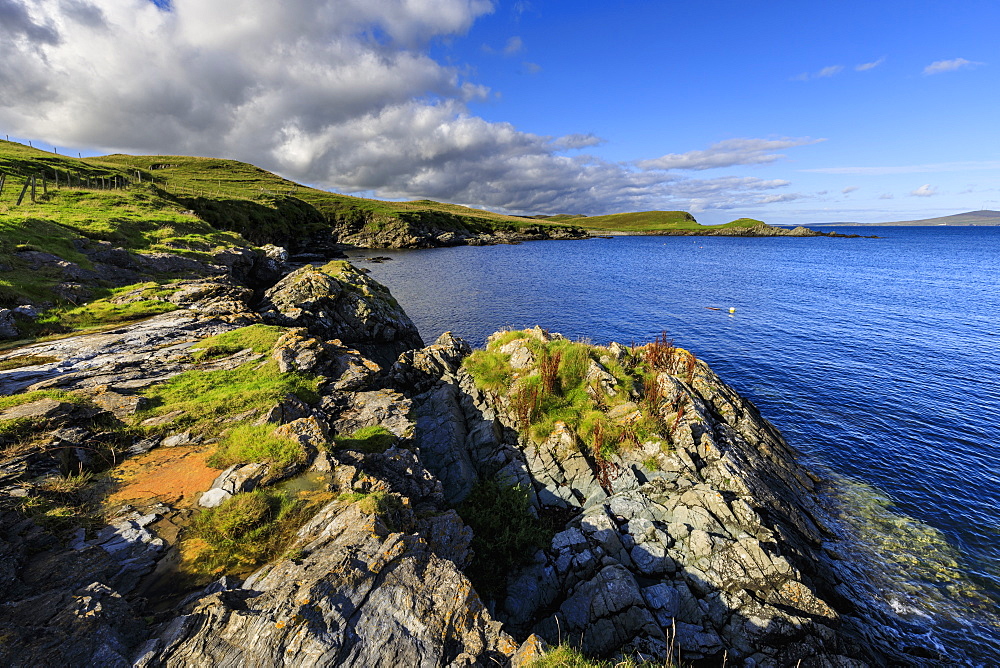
(176, 476)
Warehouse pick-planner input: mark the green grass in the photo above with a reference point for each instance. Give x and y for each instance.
(258, 338)
(208, 398)
(24, 360)
(245, 531)
(556, 389)
(255, 443)
(375, 439)
(13, 400)
(650, 221)
(641, 221)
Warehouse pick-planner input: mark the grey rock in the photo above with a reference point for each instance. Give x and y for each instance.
(361, 596)
(8, 328)
(339, 302)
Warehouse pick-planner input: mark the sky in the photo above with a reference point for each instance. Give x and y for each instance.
(789, 112)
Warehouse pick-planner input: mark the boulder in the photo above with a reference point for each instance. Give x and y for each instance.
(337, 301)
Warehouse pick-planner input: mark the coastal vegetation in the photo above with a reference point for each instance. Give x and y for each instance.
(505, 533)
(244, 531)
(609, 398)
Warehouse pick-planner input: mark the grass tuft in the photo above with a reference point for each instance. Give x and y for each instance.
(255, 443)
(374, 439)
(258, 338)
(245, 531)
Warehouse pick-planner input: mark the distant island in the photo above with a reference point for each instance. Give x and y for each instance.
(977, 218)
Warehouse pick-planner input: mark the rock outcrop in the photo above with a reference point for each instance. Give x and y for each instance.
(435, 229)
(704, 542)
(337, 301)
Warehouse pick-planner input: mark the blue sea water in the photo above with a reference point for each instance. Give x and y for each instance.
(878, 359)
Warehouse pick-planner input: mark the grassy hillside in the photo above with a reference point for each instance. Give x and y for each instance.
(182, 205)
(228, 195)
(647, 221)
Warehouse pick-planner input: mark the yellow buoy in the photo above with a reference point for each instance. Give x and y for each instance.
(732, 309)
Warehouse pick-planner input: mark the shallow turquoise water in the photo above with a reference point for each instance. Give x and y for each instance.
(877, 358)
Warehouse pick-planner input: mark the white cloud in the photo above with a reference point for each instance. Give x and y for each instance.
(864, 67)
(926, 190)
(826, 72)
(787, 197)
(940, 66)
(972, 165)
(514, 45)
(886, 196)
(849, 189)
(576, 141)
(727, 153)
(338, 93)
(531, 68)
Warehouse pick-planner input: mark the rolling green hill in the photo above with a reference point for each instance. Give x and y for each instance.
(648, 221)
(198, 207)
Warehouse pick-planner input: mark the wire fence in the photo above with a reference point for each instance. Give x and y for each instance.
(18, 189)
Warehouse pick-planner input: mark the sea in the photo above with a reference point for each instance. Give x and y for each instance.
(877, 359)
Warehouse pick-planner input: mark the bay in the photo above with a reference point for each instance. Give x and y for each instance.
(878, 359)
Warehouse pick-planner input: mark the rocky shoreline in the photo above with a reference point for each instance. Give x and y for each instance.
(700, 538)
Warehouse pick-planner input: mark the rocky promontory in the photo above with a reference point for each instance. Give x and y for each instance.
(280, 472)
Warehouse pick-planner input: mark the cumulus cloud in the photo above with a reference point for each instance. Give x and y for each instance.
(849, 189)
(926, 190)
(337, 93)
(864, 67)
(727, 154)
(940, 66)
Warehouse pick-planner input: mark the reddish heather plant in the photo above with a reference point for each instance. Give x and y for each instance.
(548, 367)
(660, 353)
(525, 402)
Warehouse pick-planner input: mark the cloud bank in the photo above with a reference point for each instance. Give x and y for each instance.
(337, 93)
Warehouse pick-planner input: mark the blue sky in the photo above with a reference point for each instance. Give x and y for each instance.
(790, 112)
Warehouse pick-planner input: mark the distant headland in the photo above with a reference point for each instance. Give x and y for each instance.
(983, 217)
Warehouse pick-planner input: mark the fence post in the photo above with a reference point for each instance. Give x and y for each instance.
(32, 188)
(56, 172)
(23, 190)
(45, 184)
(3, 180)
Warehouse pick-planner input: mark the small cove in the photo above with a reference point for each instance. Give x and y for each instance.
(876, 358)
